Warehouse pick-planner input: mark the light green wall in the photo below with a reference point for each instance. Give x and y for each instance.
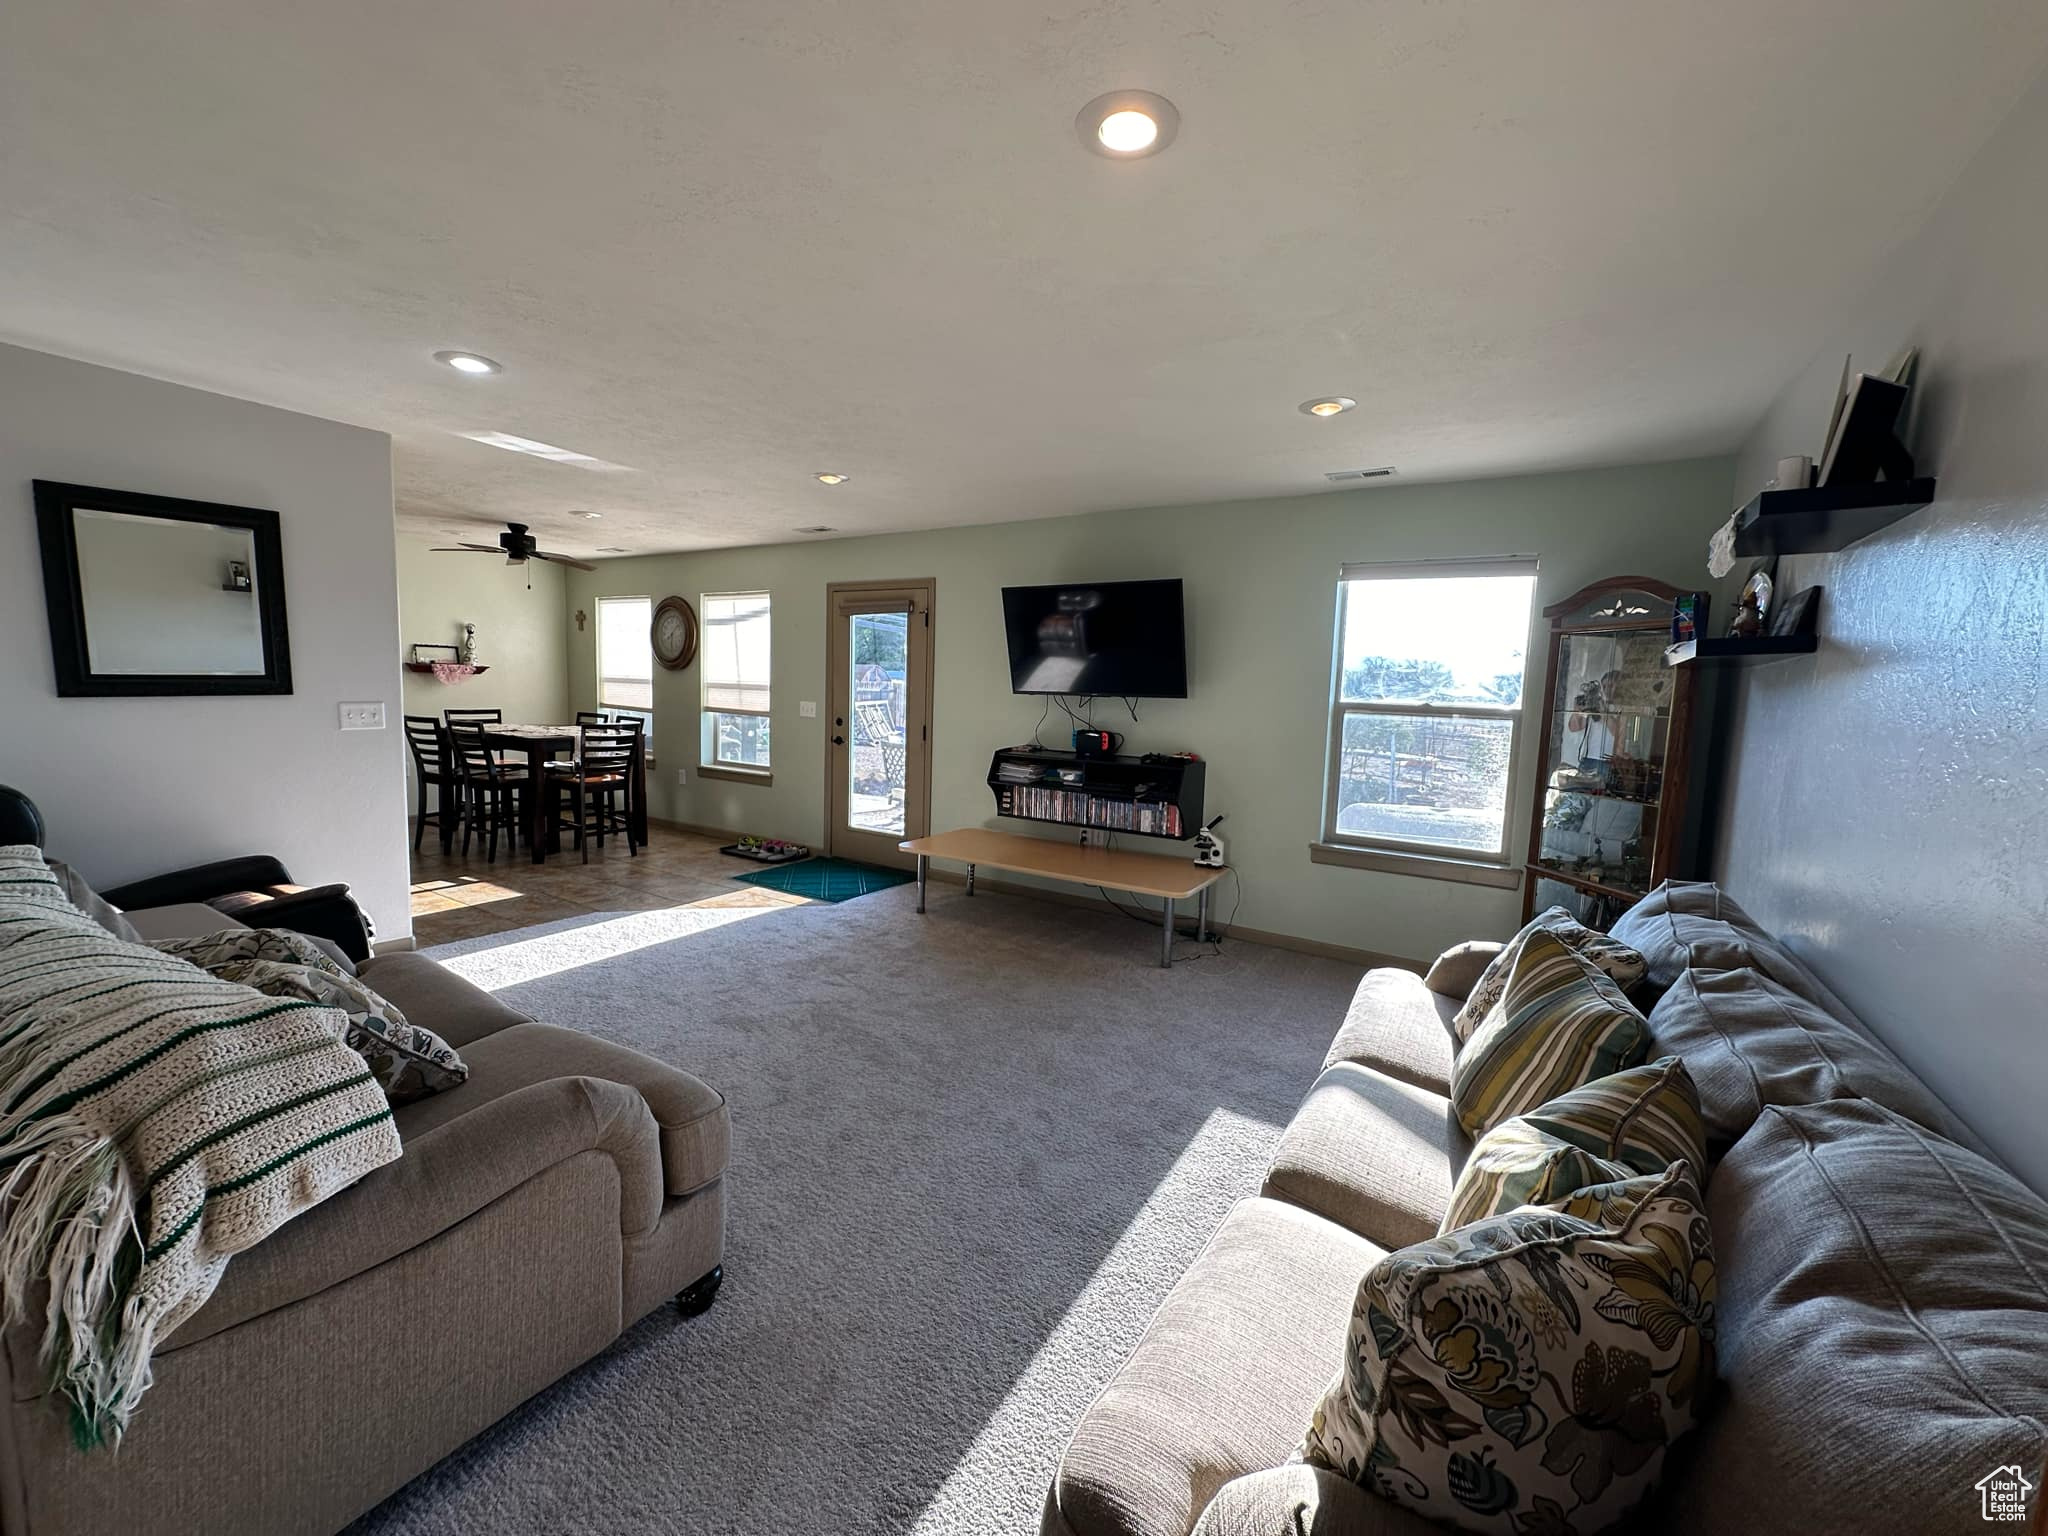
(519, 633)
(1261, 591)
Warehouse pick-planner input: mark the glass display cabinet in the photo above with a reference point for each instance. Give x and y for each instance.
(1617, 737)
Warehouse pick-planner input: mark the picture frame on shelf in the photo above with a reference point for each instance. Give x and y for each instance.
(1796, 615)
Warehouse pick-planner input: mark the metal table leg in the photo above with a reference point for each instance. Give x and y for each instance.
(1166, 938)
(923, 872)
(970, 879)
(1202, 915)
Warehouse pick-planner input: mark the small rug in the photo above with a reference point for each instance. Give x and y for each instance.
(828, 879)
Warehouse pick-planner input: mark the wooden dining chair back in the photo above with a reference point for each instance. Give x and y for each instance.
(592, 717)
(490, 790)
(599, 786)
(433, 764)
(456, 717)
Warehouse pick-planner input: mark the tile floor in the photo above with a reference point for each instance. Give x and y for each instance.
(461, 898)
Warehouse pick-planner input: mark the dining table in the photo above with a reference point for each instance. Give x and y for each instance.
(540, 812)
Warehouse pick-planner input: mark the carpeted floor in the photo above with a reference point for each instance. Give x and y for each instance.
(972, 1151)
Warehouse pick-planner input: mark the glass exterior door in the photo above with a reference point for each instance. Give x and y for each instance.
(880, 740)
(877, 766)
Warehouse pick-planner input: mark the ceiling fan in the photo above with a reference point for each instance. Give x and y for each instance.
(517, 546)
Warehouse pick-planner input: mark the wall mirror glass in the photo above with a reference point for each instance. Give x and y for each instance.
(157, 595)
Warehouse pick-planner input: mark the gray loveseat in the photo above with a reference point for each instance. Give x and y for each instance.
(1882, 1310)
(567, 1189)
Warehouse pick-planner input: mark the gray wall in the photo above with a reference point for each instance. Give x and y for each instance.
(133, 787)
(1887, 804)
(1261, 599)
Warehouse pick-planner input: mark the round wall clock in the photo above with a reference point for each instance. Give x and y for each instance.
(674, 633)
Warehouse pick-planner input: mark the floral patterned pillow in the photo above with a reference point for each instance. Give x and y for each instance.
(408, 1060)
(1528, 1373)
(1622, 964)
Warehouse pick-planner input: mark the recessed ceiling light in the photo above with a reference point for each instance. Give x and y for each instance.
(1128, 125)
(1329, 405)
(613, 549)
(473, 363)
(832, 477)
(587, 516)
(818, 528)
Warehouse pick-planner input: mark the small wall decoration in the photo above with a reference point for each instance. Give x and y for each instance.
(237, 579)
(582, 619)
(469, 644)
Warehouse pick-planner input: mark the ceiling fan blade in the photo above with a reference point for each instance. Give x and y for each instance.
(581, 565)
(463, 549)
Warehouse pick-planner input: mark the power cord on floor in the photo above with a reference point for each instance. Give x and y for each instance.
(1205, 947)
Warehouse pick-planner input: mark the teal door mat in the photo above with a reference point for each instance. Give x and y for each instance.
(827, 879)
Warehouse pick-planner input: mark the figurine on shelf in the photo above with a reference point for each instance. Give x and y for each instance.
(1749, 618)
(469, 645)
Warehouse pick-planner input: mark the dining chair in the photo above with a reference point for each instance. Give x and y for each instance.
(602, 771)
(491, 791)
(433, 764)
(456, 717)
(592, 717)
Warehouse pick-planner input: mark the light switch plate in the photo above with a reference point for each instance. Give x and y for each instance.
(363, 717)
(682, 775)
(808, 709)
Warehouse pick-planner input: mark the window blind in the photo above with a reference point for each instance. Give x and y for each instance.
(625, 655)
(735, 652)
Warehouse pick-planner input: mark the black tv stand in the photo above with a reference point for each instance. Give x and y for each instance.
(1151, 796)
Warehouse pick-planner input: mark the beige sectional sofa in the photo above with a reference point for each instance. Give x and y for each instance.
(564, 1191)
(1883, 1287)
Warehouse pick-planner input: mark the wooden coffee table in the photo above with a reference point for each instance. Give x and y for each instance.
(1114, 869)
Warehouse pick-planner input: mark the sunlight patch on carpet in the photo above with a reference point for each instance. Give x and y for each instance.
(564, 949)
(1100, 1327)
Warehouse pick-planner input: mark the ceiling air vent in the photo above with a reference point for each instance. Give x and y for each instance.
(1346, 476)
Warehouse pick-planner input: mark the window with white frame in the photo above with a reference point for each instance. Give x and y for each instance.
(625, 658)
(735, 654)
(1426, 705)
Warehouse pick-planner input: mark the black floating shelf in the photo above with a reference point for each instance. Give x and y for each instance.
(1824, 517)
(1734, 651)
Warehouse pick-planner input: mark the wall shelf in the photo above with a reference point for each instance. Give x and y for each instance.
(1114, 794)
(1824, 517)
(1734, 650)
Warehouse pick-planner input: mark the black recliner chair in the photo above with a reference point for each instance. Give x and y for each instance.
(256, 890)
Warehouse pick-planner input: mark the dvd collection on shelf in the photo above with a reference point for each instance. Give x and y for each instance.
(1084, 810)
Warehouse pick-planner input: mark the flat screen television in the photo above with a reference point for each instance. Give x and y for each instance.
(1097, 637)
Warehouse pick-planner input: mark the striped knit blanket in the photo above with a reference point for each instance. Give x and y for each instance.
(154, 1121)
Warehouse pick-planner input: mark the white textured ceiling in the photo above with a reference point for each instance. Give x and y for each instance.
(726, 245)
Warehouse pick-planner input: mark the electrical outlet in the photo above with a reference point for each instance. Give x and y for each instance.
(363, 717)
(682, 775)
(808, 709)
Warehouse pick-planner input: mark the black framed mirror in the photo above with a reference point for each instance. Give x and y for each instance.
(154, 595)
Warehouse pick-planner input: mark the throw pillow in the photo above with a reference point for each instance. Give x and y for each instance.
(1619, 1128)
(1456, 971)
(1617, 959)
(408, 1060)
(1529, 1372)
(1558, 1023)
(91, 903)
(281, 945)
